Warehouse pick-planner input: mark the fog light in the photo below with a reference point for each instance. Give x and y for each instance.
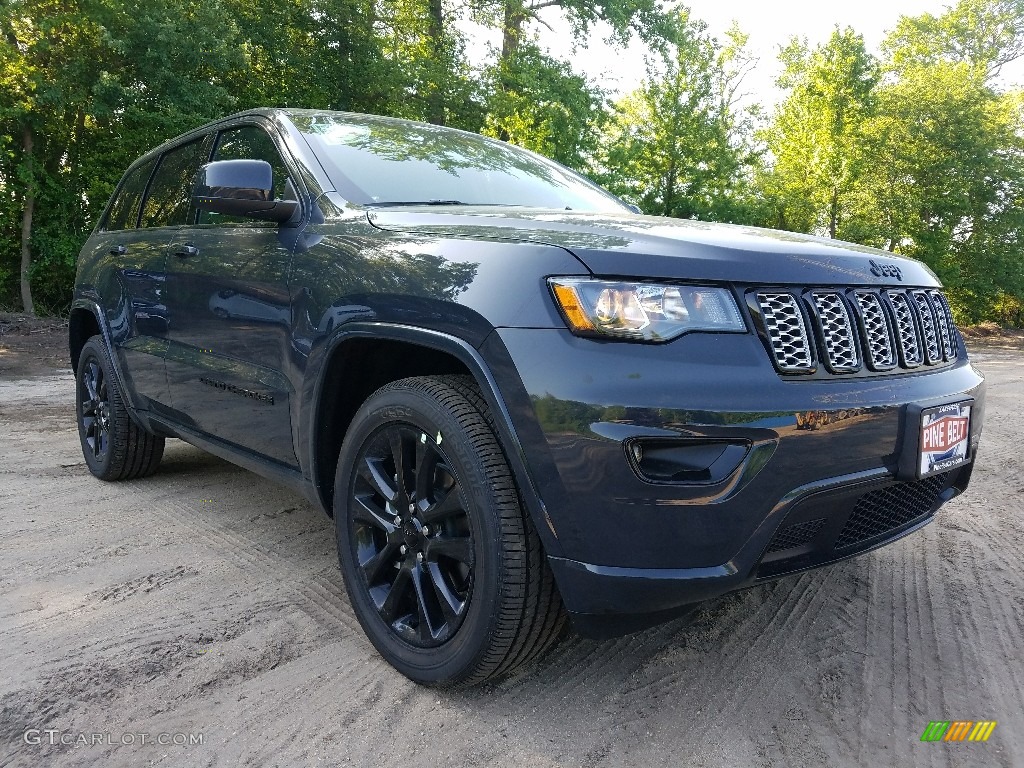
(700, 462)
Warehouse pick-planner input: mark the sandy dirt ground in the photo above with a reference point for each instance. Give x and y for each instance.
(207, 602)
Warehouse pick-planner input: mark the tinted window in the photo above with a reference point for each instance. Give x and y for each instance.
(249, 142)
(124, 211)
(170, 193)
(375, 161)
(253, 143)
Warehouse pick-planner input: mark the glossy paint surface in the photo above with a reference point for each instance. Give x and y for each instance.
(588, 400)
(654, 247)
(228, 346)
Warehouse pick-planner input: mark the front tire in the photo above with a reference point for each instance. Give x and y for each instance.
(114, 446)
(444, 571)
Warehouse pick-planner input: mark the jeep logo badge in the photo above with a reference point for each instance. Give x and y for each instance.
(885, 270)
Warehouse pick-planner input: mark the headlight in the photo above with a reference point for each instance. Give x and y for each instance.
(643, 311)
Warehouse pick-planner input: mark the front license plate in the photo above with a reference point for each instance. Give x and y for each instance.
(945, 438)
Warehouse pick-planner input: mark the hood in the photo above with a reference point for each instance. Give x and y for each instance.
(626, 245)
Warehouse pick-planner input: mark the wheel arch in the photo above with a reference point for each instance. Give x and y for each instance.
(382, 353)
(83, 324)
(85, 321)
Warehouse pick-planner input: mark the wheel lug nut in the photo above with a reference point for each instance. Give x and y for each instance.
(402, 549)
(398, 520)
(412, 508)
(426, 530)
(419, 557)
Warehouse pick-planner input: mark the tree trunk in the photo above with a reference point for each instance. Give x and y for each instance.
(512, 34)
(512, 27)
(833, 214)
(435, 98)
(27, 145)
(670, 190)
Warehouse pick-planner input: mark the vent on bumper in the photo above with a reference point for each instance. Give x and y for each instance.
(889, 509)
(834, 524)
(846, 331)
(796, 535)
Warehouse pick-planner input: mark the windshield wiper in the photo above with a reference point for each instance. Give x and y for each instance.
(419, 202)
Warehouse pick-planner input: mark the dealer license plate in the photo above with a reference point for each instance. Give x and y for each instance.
(945, 438)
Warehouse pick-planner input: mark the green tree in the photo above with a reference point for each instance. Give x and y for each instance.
(644, 17)
(816, 135)
(425, 46)
(86, 87)
(680, 145)
(538, 102)
(523, 72)
(984, 34)
(946, 181)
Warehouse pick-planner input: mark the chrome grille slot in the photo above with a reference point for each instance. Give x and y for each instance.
(929, 326)
(837, 331)
(784, 323)
(906, 329)
(879, 346)
(945, 320)
(819, 331)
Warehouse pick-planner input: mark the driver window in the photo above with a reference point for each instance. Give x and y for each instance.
(249, 142)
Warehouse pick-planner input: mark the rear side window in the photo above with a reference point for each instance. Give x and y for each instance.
(169, 201)
(124, 210)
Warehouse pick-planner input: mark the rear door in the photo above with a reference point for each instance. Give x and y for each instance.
(134, 297)
(231, 315)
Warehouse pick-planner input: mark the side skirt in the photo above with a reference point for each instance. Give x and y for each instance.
(271, 470)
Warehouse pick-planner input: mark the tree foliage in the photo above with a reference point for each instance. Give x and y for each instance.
(816, 136)
(680, 145)
(917, 148)
(538, 102)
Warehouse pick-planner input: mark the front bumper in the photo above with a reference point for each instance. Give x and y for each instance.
(620, 544)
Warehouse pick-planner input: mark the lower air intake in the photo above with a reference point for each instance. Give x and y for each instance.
(879, 512)
(796, 535)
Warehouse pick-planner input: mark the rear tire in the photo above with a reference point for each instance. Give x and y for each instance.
(444, 570)
(114, 446)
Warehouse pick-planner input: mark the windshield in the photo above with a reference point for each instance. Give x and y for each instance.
(374, 161)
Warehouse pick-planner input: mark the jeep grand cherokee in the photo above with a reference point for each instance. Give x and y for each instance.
(519, 399)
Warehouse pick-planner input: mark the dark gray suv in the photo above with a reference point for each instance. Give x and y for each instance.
(519, 399)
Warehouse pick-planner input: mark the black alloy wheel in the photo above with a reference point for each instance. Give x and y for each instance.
(412, 535)
(442, 565)
(94, 410)
(114, 446)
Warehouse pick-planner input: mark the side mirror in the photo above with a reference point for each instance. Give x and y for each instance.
(241, 188)
(634, 208)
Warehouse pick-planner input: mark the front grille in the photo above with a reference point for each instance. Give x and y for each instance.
(929, 326)
(796, 535)
(906, 332)
(786, 329)
(887, 509)
(837, 332)
(880, 350)
(850, 330)
(945, 321)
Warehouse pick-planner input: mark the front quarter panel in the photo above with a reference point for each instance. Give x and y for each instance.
(464, 288)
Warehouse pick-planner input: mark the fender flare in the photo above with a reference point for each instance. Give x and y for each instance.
(478, 368)
(101, 322)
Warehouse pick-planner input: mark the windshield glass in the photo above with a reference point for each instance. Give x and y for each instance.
(373, 161)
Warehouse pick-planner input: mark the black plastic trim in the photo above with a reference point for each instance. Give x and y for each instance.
(471, 358)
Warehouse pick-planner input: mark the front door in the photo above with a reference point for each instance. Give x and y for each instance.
(230, 314)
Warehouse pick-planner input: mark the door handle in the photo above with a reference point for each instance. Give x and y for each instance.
(186, 250)
(119, 250)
